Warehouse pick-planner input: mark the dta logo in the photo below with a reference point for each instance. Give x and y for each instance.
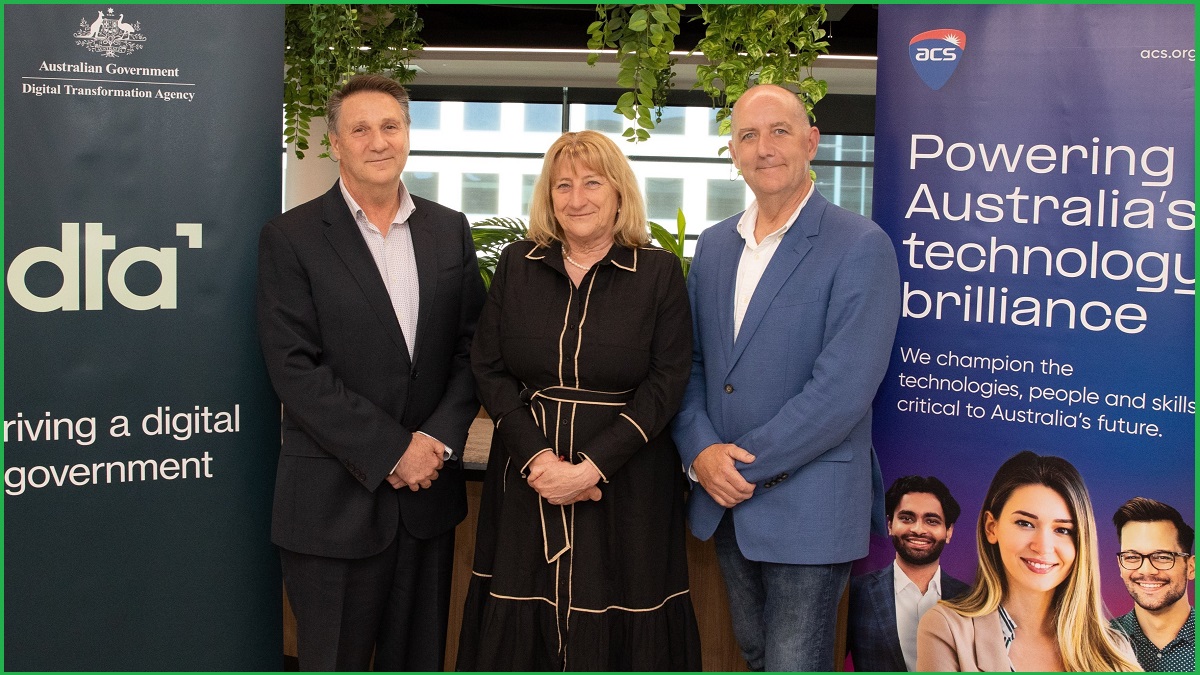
(936, 53)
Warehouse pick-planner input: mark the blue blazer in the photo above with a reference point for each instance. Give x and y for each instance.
(872, 636)
(795, 389)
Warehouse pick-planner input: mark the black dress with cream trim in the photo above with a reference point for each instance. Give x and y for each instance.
(595, 373)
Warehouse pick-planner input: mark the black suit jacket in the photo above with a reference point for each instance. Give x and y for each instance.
(872, 636)
(352, 398)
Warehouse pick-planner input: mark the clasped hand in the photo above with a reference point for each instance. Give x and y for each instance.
(560, 482)
(418, 466)
(718, 475)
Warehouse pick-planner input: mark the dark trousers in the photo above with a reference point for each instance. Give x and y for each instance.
(395, 604)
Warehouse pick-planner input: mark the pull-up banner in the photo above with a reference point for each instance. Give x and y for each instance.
(142, 155)
(1035, 168)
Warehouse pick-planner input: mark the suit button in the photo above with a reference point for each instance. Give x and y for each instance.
(413, 374)
(729, 389)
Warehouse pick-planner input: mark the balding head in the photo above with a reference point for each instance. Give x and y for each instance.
(772, 91)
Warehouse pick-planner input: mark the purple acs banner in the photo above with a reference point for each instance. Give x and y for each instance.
(1035, 168)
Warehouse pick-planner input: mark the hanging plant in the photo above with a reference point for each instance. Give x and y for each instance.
(644, 37)
(763, 44)
(326, 44)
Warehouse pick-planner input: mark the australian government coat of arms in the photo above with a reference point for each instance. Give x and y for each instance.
(108, 35)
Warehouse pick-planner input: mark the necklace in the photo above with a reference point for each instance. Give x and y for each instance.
(568, 258)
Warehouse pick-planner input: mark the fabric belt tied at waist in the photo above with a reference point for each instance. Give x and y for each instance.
(556, 538)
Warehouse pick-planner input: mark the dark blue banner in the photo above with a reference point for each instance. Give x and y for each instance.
(1035, 168)
(142, 155)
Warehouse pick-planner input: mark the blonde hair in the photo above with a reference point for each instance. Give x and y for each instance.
(1085, 640)
(597, 152)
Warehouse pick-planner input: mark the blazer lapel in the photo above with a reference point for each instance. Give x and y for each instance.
(990, 653)
(791, 251)
(729, 249)
(425, 249)
(342, 233)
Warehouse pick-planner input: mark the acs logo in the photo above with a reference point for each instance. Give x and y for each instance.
(935, 54)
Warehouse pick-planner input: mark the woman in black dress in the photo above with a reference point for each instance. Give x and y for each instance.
(581, 356)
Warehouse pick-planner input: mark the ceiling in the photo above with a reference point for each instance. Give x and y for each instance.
(523, 36)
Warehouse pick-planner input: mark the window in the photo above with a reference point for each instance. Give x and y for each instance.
(672, 121)
(543, 117)
(713, 126)
(422, 184)
(481, 193)
(847, 186)
(725, 198)
(487, 173)
(844, 171)
(527, 182)
(847, 148)
(481, 116)
(602, 118)
(425, 114)
(664, 196)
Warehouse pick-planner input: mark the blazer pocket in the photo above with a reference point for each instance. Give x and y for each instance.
(793, 297)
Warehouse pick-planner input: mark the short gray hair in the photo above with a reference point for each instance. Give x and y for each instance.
(360, 83)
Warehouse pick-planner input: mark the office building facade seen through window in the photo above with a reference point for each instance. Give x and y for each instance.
(483, 158)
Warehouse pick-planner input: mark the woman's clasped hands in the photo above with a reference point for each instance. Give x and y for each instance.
(561, 482)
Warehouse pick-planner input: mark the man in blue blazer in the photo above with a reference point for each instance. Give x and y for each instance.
(367, 303)
(887, 604)
(795, 304)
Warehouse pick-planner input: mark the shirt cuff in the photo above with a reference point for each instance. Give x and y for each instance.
(595, 466)
(525, 469)
(447, 453)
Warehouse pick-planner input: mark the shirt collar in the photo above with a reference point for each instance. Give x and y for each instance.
(1008, 627)
(618, 256)
(745, 225)
(901, 580)
(1130, 624)
(407, 207)
(1188, 632)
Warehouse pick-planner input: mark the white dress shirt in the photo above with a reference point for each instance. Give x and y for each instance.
(395, 259)
(911, 605)
(397, 263)
(755, 257)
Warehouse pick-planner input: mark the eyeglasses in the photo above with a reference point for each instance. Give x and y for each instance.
(1160, 560)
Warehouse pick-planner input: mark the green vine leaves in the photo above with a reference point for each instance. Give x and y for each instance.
(326, 44)
(644, 37)
(743, 44)
(760, 44)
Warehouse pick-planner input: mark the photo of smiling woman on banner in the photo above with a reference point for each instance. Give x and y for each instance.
(1035, 604)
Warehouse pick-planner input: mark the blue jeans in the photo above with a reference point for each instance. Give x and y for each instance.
(784, 616)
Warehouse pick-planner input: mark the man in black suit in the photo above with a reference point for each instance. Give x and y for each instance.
(886, 605)
(367, 302)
